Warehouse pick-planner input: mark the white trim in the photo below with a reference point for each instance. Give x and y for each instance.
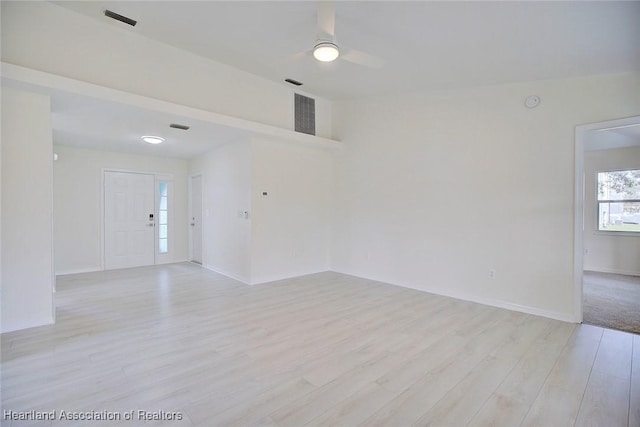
(578, 208)
(171, 261)
(616, 233)
(102, 230)
(578, 221)
(22, 326)
(233, 276)
(157, 175)
(615, 271)
(79, 271)
(269, 279)
(618, 127)
(557, 315)
(189, 214)
(463, 296)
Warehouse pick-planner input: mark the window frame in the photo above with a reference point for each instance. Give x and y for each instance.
(599, 203)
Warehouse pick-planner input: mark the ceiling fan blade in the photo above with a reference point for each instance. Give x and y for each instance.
(294, 58)
(327, 18)
(361, 58)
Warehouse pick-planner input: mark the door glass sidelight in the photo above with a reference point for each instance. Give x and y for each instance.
(163, 218)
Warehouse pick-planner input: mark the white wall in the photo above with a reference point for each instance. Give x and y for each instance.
(290, 225)
(287, 231)
(27, 233)
(435, 189)
(608, 252)
(226, 193)
(47, 37)
(78, 203)
(431, 191)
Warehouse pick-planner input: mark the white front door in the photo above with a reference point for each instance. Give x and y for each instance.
(195, 223)
(129, 219)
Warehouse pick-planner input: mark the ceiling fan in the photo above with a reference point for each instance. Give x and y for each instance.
(327, 50)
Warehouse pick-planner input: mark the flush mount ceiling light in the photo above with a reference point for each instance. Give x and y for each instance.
(326, 51)
(152, 139)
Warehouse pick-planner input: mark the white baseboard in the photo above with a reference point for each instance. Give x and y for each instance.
(78, 271)
(564, 317)
(267, 279)
(173, 261)
(20, 326)
(613, 271)
(261, 280)
(536, 311)
(227, 273)
(96, 269)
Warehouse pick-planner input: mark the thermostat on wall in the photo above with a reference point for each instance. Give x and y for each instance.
(532, 101)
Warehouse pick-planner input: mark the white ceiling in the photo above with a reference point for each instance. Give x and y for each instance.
(96, 124)
(422, 45)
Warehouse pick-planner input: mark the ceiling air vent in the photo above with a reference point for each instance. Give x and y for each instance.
(293, 82)
(305, 114)
(177, 126)
(120, 18)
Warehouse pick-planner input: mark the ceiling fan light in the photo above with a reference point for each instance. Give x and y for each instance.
(152, 139)
(326, 52)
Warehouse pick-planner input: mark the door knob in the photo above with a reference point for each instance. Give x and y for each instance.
(193, 224)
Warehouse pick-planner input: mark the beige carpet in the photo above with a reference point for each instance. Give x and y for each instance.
(612, 301)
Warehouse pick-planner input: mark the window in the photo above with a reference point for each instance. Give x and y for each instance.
(619, 201)
(163, 218)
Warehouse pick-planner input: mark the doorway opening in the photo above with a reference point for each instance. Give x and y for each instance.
(195, 219)
(607, 226)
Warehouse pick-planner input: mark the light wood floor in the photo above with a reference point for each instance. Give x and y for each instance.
(325, 349)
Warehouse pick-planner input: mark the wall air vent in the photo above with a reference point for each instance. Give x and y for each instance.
(177, 126)
(305, 114)
(120, 18)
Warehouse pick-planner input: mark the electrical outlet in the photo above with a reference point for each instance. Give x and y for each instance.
(492, 274)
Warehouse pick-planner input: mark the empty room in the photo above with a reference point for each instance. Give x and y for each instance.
(336, 213)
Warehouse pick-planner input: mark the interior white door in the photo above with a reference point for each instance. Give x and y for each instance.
(129, 219)
(195, 223)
